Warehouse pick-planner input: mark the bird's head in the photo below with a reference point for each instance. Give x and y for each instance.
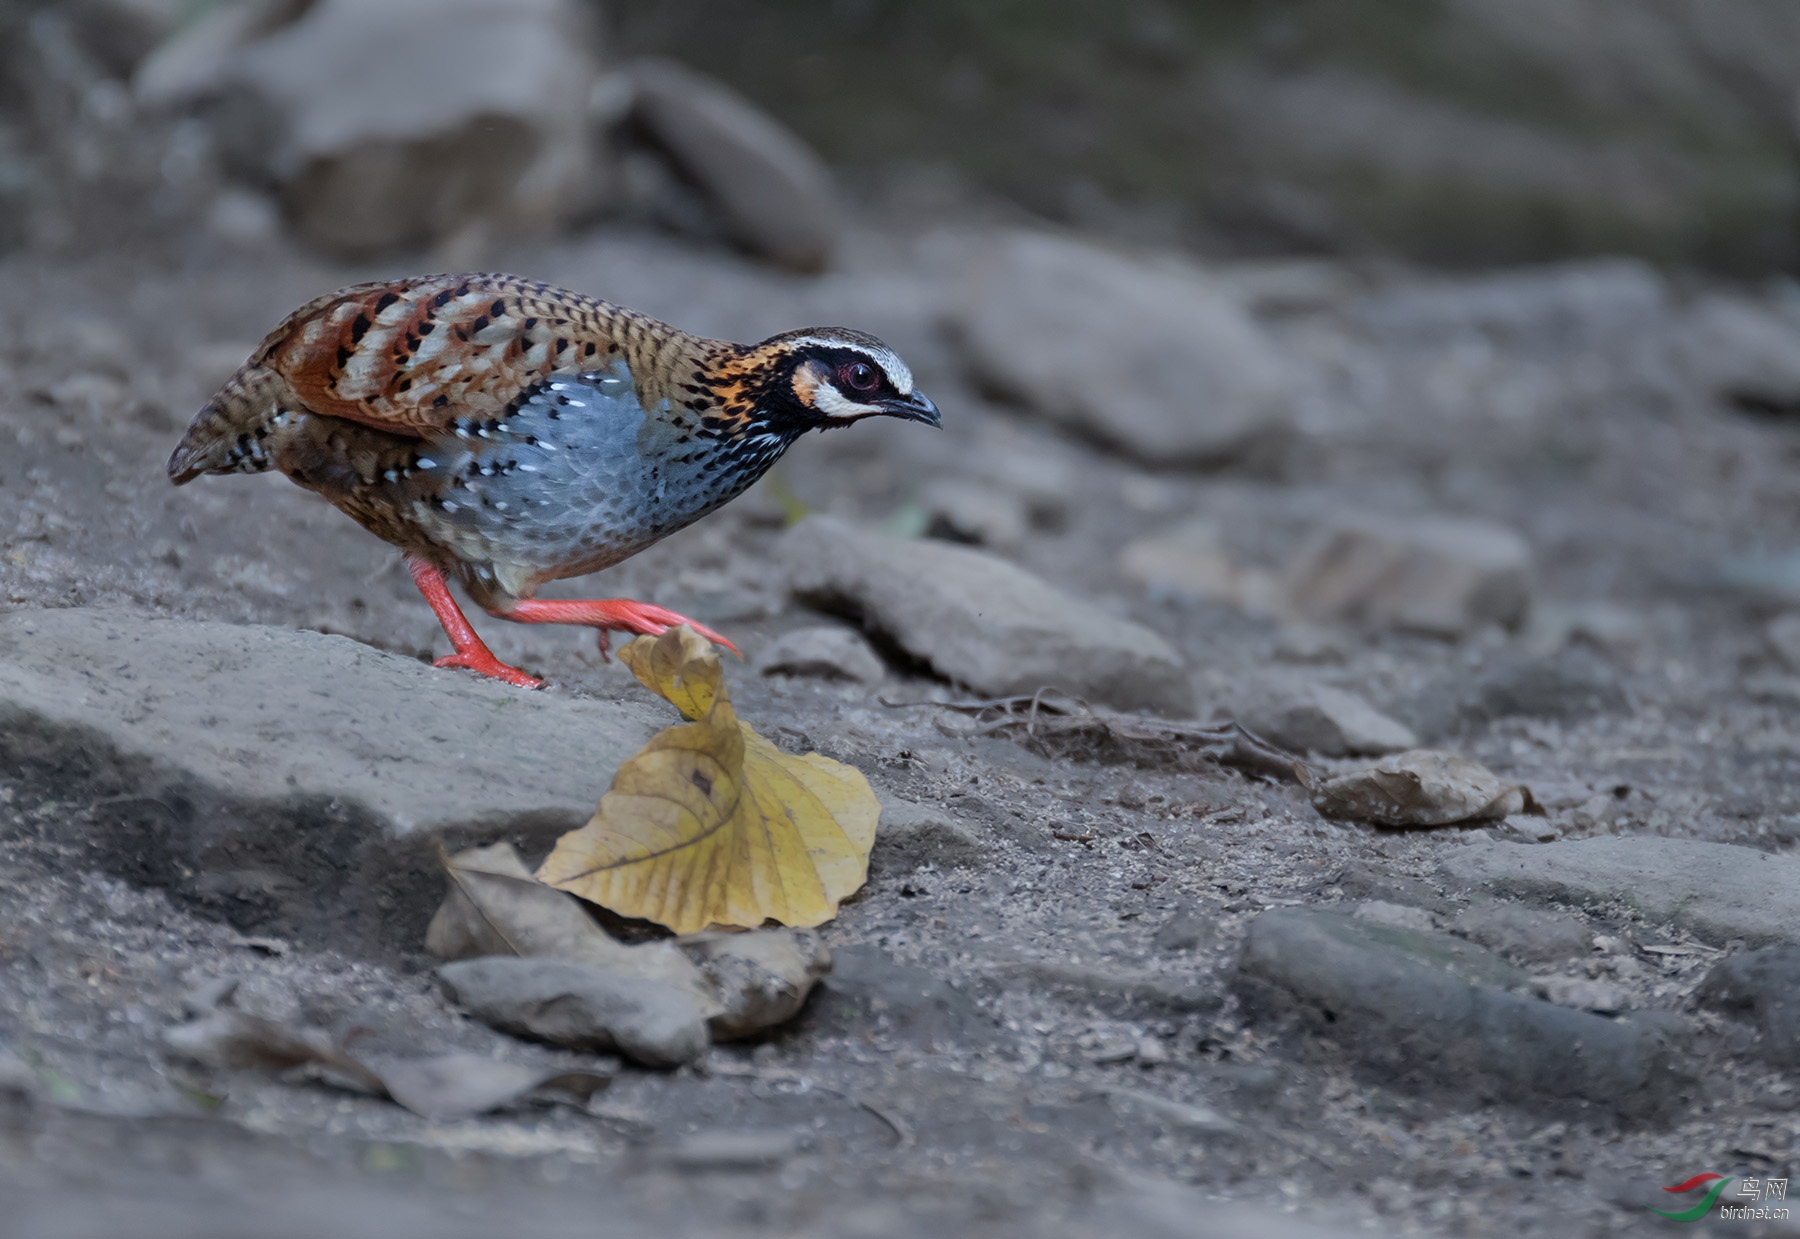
(832, 376)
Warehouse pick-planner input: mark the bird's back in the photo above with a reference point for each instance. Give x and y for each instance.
(412, 357)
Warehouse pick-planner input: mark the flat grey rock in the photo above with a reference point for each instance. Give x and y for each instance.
(1717, 891)
(1567, 687)
(1192, 561)
(912, 834)
(1306, 716)
(983, 621)
(1122, 992)
(1738, 349)
(272, 713)
(1395, 915)
(869, 990)
(1595, 623)
(771, 192)
(1438, 1014)
(1181, 1115)
(1773, 688)
(1419, 788)
(1445, 576)
(978, 513)
(1582, 993)
(1763, 987)
(826, 652)
(1589, 299)
(1766, 578)
(1531, 935)
(248, 768)
(1783, 637)
(1186, 930)
(581, 1006)
(734, 1150)
(371, 154)
(1169, 368)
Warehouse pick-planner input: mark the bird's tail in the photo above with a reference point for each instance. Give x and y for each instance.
(231, 434)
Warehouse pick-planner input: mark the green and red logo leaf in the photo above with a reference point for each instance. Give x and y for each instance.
(1719, 1183)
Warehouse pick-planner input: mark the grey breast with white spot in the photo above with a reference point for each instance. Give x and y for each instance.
(577, 474)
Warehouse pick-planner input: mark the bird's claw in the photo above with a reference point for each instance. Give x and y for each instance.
(640, 619)
(484, 663)
(646, 619)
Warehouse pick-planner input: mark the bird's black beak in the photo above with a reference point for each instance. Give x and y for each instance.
(914, 408)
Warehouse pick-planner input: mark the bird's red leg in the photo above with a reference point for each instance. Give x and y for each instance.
(471, 652)
(642, 618)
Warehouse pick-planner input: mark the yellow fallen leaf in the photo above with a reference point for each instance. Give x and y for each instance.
(710, 824)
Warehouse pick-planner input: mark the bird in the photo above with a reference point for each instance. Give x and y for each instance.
(506, 433)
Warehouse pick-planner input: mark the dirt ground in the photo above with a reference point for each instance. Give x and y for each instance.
(993, 1083)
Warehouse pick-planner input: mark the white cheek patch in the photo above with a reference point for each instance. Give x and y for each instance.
(833, 403)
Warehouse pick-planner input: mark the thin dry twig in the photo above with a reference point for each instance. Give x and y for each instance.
(1058, 726)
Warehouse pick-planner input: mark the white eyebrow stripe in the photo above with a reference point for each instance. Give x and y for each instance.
(898, 374)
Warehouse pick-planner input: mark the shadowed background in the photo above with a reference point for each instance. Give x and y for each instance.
(1460, 131)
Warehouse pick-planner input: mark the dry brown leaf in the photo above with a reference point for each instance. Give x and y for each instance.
(458, 1085)
(496, 907)
(742, 982)
(1423, 787)
(710, 824)
(445, 1086)
(761, 979)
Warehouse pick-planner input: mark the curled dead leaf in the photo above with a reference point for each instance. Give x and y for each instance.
(1420, 788)
(590, 1008)
(740, 983)
(710, 824)
(457, 1085)
(761, 979)
(496, 907)
(441, 1087)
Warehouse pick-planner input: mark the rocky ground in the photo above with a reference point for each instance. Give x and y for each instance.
(1509, 560)
(1094, 986)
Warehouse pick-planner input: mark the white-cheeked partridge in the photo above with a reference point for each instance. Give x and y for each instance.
(508, 433)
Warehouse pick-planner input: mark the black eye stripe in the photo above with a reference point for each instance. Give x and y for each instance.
(857, 373)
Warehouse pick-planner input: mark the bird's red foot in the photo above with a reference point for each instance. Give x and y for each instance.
(472, 654)
(483, 662)
(642, 619)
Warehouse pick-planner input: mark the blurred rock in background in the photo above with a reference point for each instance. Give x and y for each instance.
(1451, 131)
(76, 163)
(1464, 131)
(765, 188)
(483, 119)
(379, 126)
(1148, 358)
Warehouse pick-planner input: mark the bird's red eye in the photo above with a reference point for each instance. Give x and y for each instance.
(860, 376)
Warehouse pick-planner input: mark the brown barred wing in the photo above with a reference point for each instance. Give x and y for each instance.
(411, 357)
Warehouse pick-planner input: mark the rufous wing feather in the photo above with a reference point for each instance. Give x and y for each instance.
(413, 357)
